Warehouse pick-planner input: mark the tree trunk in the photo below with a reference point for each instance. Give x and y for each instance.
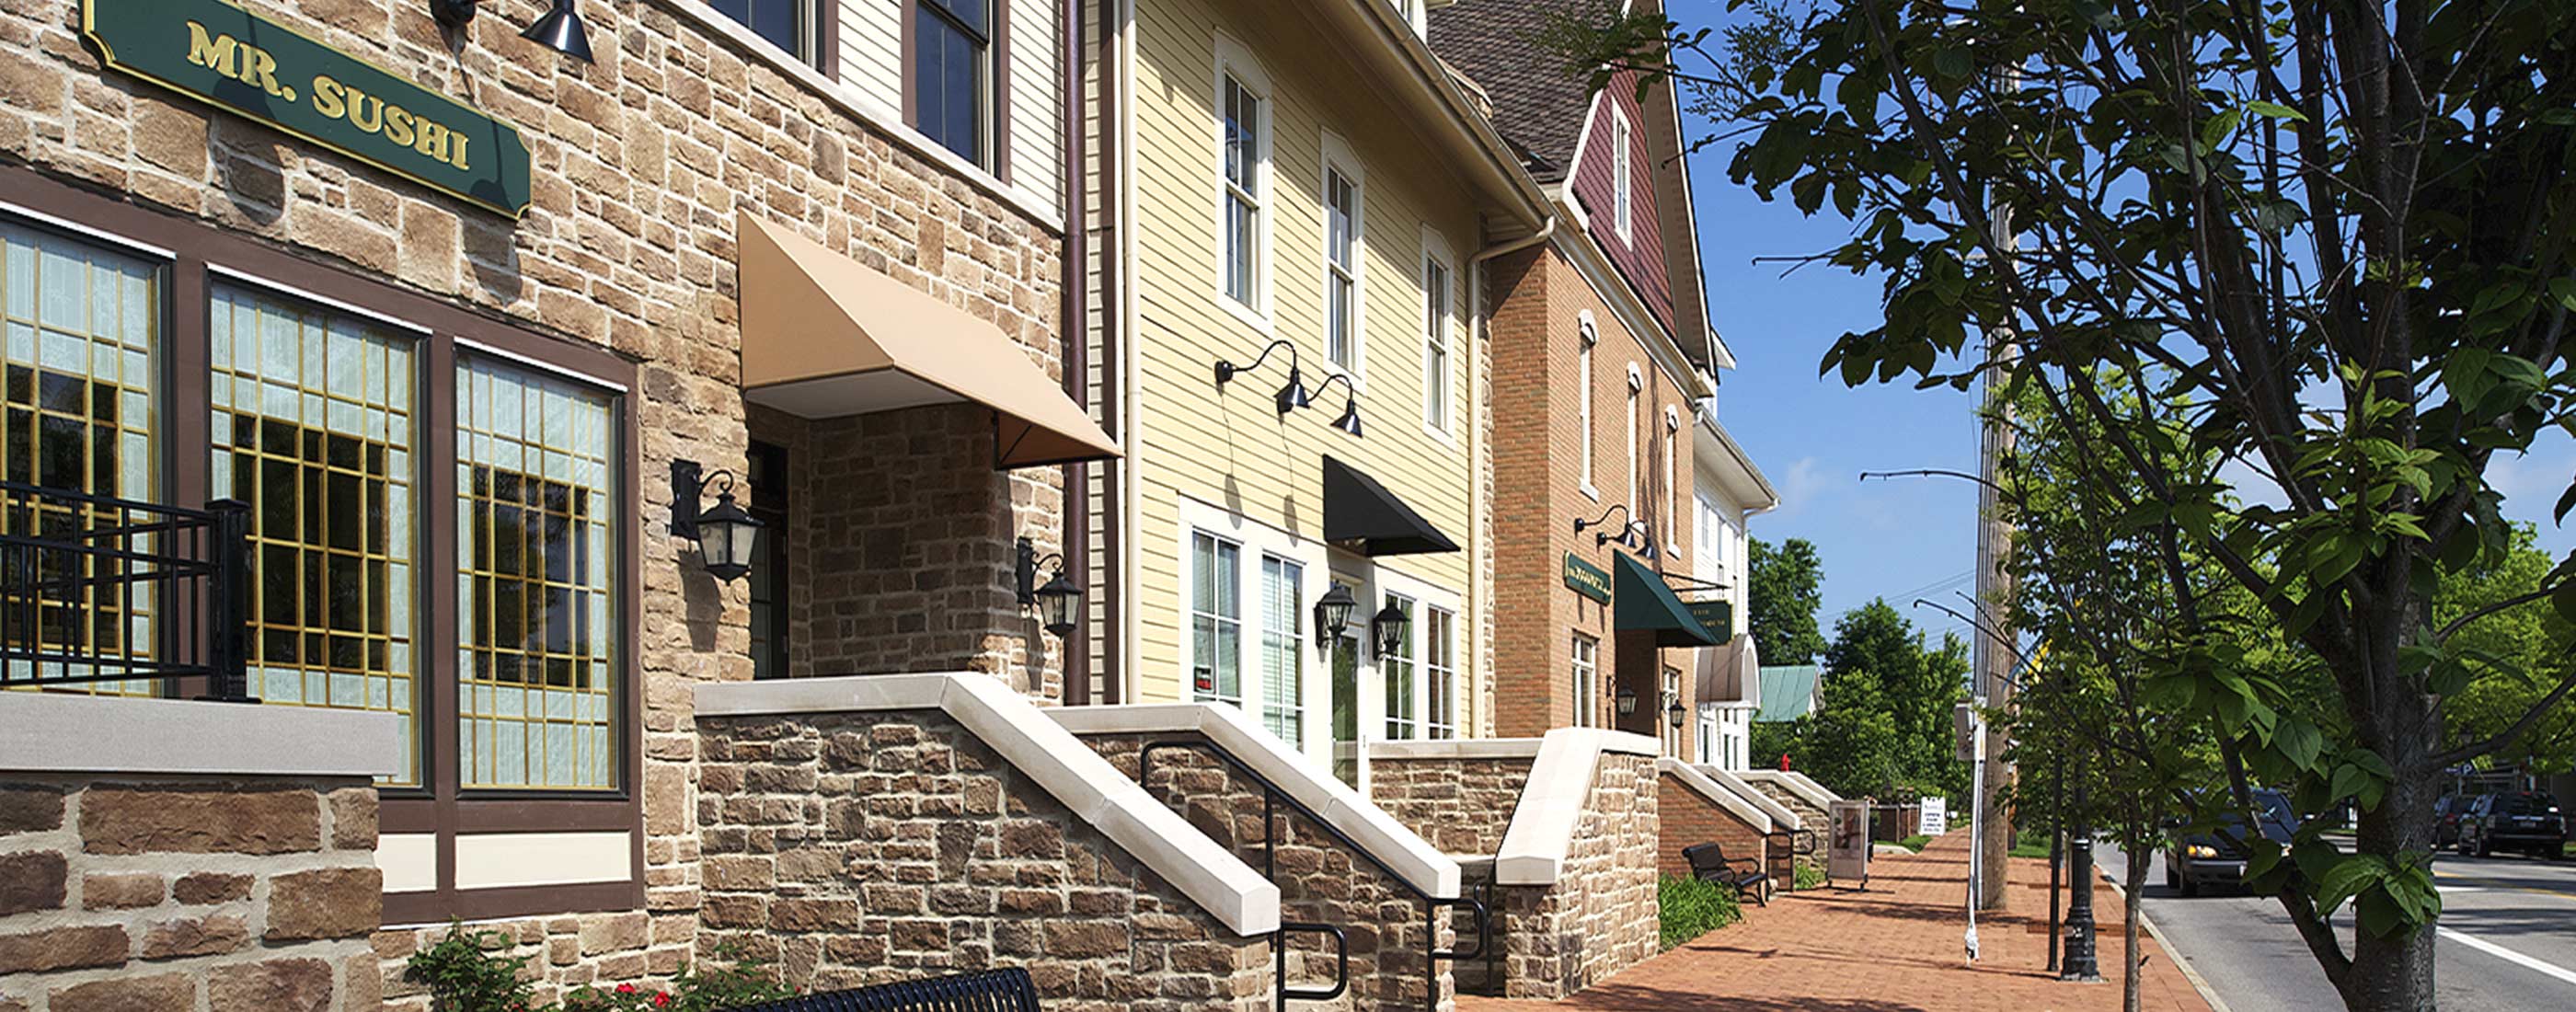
(2133, 877)
(2396, 974)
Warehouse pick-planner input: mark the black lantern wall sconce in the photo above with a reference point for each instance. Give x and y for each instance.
(1333, 614)
(1674, 714)
(1625, 702)
(1293, 394)
(1634, 535)
(1056, 600)
(559, 29)
(724, 534)
(1386, 631)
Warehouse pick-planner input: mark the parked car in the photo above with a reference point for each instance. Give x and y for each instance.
(2526, 821)
(2216, 855)
(2446, 818)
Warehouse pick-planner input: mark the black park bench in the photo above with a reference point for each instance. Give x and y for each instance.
(1709, 864)
(1005, 990)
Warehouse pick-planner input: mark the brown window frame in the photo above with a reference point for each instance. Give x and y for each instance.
(188, 251)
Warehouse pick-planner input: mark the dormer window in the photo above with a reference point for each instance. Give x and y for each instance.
(1622, 201)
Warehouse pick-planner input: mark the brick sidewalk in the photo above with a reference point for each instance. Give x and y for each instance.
(1896, 947)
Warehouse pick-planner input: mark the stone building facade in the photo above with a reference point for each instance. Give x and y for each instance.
(617, 290)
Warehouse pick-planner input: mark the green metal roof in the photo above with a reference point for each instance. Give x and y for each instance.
(1786, 688)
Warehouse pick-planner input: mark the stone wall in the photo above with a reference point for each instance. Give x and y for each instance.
(1320, 879)
(1813, 821)
(856, 848)
(565, 951)
(1461, 805)
(123, 893)
(1598, 918)
(1690, 818)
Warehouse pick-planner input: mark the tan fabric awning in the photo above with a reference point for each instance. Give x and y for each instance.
(1730, 673)
(824, 336)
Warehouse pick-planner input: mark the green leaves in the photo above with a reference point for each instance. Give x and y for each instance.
(2275, 110)
(2393, 898)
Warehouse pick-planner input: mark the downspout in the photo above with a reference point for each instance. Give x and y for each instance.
(1075, 357)
(1479, 324)
(1119, 304)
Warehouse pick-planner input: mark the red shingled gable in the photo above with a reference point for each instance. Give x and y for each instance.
(1640, 256)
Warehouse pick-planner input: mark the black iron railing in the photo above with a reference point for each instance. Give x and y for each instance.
(98, 589)
(1271, 798)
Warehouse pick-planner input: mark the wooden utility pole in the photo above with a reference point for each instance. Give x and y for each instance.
(1991, 659)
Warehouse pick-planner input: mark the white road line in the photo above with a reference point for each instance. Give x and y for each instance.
(2508, 955)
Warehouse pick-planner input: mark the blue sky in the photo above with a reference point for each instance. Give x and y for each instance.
(1813, 436)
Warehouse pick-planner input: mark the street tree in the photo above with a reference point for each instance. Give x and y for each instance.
(2337, 234)
(1787, 587)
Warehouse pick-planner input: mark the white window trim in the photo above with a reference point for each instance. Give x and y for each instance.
(1256, 540)
(1437, 250)
(1584, 353)
(1232, 59)
(1672, 487)
(1623, 204)
(1457, 673)
(1636, 474)
(1587, 700)
(1339, 158)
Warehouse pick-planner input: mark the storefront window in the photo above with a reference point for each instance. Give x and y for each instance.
(1216, 620)
(1398, 669)
(83, 335)
(1283, 634)
(312, 427)
(1440, 673)
(535, 520)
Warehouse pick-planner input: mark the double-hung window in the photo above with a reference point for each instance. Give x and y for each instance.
(952, 43)
(1283, 637)
(1240, 113)
(1439, 673)
(1587, 681)
(1400, 669)
(1584, 340)
(1636, 491)
(1216, 619)
(791, 25)
(1672, 490)
(1622, 200)
(1341, 268)
(1435, 343)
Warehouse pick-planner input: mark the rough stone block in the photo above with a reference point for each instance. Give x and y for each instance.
(122, 820)
(31, 881)
(325, 903)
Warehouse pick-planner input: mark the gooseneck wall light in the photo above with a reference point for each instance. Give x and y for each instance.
(1055, 600)
(1333, 614)
(560, 30)
(1634, 535)
(1292, 395)
(1350, 420)
(724, 534)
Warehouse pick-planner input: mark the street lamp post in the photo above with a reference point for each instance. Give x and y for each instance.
(2080, 962)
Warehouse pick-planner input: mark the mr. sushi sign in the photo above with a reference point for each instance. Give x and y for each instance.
(225, 55)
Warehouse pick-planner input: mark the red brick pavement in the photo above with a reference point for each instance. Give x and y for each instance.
(1895, 947)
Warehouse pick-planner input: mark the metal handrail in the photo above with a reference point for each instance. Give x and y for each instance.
(1341, 961)
(1271, 795)
(74, 564)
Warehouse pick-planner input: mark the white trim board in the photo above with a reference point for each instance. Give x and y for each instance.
(1779, 813)
(1414, 859)
(64, 733)
(1052, 757)
(1796, 783)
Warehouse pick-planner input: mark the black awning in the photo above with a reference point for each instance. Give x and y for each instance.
(1362, 514)
(1646, 602)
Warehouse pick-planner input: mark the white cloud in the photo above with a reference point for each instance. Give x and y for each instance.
(1799, 486)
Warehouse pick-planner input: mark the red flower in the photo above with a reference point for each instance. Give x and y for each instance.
(626, 988)
(661, 998)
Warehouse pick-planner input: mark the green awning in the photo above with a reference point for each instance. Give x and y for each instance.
(1645, 601)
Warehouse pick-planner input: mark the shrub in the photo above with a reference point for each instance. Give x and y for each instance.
(1689, 908)
(1915, 843)
(1807, 875)
(463, 976)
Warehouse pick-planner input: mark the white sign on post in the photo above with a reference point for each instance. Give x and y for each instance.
(1847, 853)
(1963, 731)
(1935, 819)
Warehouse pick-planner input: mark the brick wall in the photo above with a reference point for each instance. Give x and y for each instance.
(146, 894)
(859, 848)
(1320, 879)
(1690, 818)
(1540, 299)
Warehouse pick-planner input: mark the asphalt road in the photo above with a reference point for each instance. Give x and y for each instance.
(2507, 938)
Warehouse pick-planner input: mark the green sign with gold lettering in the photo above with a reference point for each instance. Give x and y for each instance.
(1587, 579)
(220, 53)
(1718, 616)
